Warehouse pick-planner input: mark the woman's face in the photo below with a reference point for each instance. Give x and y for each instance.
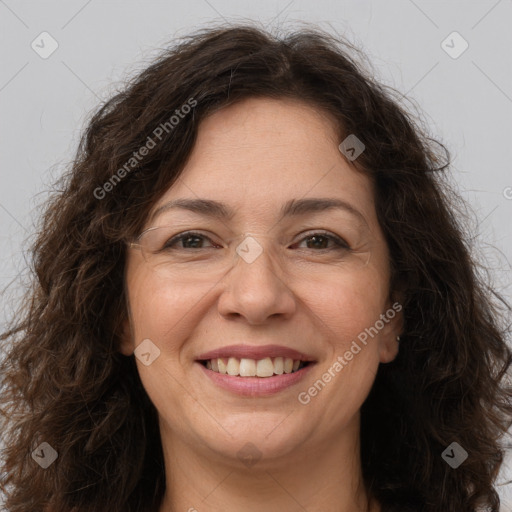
(284, 286)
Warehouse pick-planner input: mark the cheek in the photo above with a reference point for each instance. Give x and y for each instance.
(161, 313)
(345, 305)
(345, 308)
(160, 310)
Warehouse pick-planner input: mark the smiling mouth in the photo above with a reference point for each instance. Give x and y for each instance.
(243, 367)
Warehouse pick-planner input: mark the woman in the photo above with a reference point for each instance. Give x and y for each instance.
(252, 293)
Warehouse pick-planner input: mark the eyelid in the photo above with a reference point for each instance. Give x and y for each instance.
(328, 234)
(180, 236)
(340, 241)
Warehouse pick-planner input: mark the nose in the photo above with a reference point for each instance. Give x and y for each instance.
(256, 288)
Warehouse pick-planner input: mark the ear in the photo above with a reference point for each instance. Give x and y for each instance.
(393, 320)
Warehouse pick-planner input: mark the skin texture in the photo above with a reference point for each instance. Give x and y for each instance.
(254, 156)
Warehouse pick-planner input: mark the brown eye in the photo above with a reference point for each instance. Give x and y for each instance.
(189, 240)
(321, 241)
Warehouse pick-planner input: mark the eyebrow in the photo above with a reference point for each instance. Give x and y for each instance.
(291, 208)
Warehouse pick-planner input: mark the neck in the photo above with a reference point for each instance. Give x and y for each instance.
(319, 478)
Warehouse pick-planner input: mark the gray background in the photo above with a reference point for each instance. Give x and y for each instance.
(465, 101)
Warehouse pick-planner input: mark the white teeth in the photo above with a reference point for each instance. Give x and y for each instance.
(265, 367)
(233, 367)
(245, 367)
(222, 366)
(278, 365)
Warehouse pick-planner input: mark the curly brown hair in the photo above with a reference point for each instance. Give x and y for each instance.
(65, 382)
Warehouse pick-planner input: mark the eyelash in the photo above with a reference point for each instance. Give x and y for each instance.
(340, 243)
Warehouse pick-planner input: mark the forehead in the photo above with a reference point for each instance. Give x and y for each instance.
(260, 153)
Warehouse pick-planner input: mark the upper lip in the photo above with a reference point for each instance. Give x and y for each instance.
(255, 352)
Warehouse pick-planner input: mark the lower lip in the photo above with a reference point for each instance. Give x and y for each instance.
(256, 386)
